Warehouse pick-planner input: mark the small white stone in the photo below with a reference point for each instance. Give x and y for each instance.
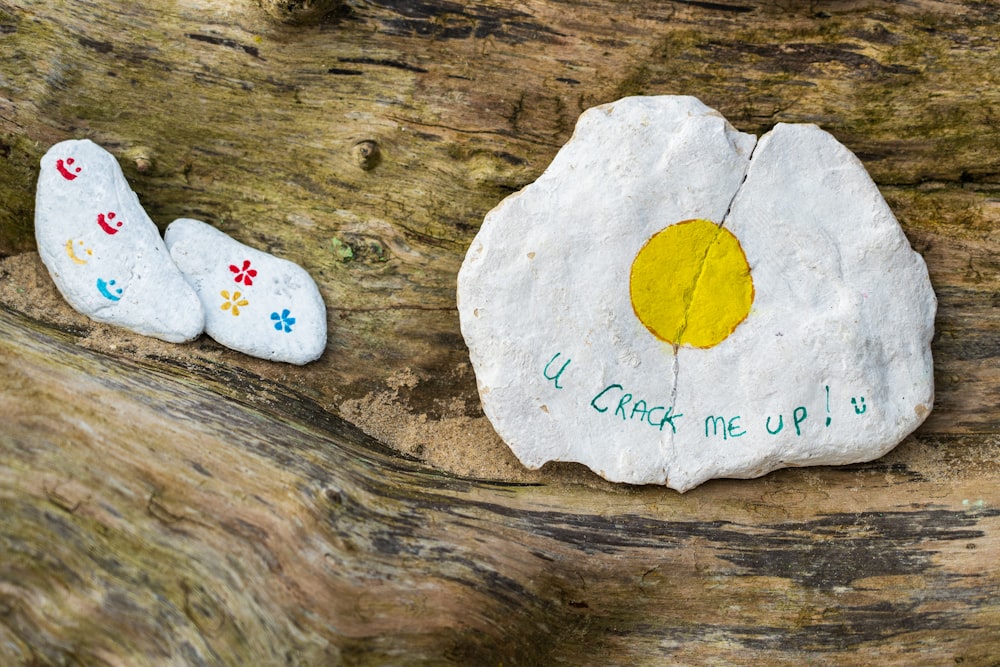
(103, 252)
(830, 363)
(254, 302)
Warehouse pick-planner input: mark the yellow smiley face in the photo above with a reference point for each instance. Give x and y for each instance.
(80, 254)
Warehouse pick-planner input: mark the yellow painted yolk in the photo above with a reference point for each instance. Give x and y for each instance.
(690, 284)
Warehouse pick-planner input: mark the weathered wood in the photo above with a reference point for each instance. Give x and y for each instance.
(147, 519)
(190, 505)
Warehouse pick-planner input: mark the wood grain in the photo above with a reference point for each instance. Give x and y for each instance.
(190, 505)
(148, 520)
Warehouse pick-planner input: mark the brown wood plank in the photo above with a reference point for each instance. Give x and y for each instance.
(190, 505)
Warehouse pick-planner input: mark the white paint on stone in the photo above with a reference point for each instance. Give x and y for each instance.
(254, 302)
(102, 250)
(831, 365)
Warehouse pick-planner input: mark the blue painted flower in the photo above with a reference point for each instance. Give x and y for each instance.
(283, 321)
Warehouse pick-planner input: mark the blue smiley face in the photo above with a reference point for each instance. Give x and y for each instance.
(108, 290)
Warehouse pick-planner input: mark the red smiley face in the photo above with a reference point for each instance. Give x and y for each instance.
(64, 167)
(105, 223)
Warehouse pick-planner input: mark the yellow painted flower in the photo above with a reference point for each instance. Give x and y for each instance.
(233, 303)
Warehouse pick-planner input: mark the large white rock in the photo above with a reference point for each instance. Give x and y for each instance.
(103, 252)
(254, 302)
(797, 333)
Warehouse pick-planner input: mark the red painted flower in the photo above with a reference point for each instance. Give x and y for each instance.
(244, 275)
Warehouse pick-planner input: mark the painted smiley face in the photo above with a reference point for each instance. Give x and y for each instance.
(84, 252)
(104, 221)
(66, 168)
(108, 290)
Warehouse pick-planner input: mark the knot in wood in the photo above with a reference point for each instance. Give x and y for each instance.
(367, 154)
(333, 496)
(142, 158)
(300, 12)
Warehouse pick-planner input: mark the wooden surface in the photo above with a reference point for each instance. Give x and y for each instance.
(171, 504)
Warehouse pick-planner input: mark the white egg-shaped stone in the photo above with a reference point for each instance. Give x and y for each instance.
(254, 302)
(102, 250)
(672, 301)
